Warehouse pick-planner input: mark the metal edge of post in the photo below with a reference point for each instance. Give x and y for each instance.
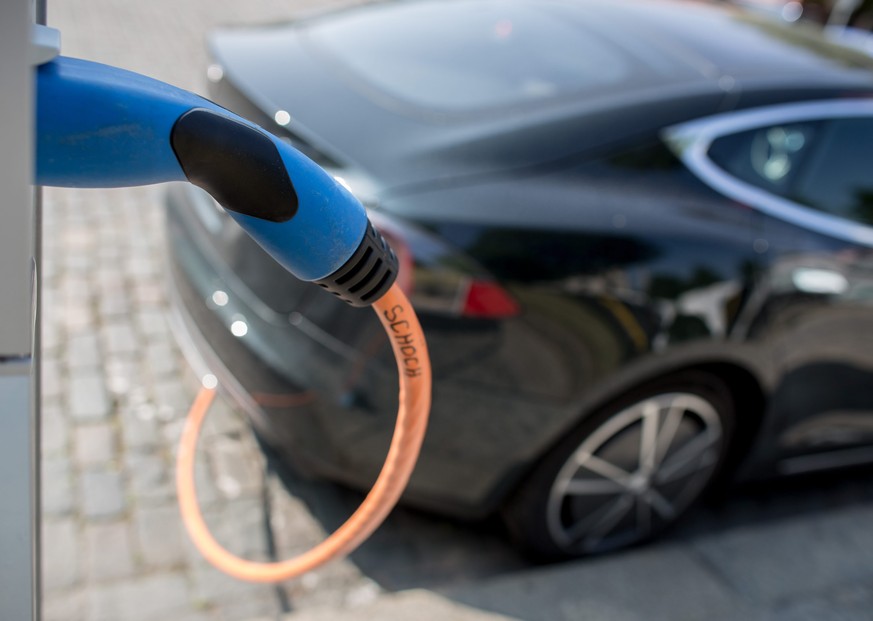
(20, 591)
(40, 16)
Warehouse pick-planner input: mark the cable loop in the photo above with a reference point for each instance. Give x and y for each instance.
(413, 365)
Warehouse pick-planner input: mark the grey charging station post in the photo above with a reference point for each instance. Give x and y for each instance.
(19, 377)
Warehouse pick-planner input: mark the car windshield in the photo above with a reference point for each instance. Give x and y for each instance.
(457, 58)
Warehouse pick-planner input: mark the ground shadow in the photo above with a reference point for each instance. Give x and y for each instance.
(414, 549)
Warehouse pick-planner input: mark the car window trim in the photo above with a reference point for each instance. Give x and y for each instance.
(690, 142)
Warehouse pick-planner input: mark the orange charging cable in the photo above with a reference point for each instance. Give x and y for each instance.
(413, 365)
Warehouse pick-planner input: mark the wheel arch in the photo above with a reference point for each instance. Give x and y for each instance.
(748, 400)
(528, 510)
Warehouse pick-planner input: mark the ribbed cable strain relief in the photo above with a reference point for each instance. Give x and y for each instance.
(367, 275)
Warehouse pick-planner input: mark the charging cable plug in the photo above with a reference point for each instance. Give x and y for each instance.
(99, 126)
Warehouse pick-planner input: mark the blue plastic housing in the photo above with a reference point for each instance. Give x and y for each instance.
(99, 126)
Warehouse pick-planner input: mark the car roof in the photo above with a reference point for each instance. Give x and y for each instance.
(617, 46)
(350, 81)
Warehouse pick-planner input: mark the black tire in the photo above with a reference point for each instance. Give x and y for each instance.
(600, 489)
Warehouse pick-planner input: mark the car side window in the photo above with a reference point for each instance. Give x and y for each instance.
(769, 158)
(838, 178)
(824, 165)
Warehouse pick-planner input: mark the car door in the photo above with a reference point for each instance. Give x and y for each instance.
(807, 171)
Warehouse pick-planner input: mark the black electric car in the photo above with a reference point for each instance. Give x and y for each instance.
(638, 234)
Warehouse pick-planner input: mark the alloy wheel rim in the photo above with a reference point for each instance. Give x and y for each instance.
(635, 473)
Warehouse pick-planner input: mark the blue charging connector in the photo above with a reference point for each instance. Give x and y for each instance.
(99, 126)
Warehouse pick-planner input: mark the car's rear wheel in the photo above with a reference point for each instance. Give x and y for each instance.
(628, 472)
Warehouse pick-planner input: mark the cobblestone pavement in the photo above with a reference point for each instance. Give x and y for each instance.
(115, 391)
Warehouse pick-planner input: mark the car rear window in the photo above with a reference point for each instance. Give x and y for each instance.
(497, 53)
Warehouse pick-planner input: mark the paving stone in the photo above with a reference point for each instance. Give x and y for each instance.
(75, 290)
(51, 382)
(223, 420)
(213, 588)
(94, 444)
(88, 397)
(56, 488)
(83, 351)
(119, 337)
(148, 598)
(172, 398)
(51, 307)
(420, 605)
(295, 528)
(108, 551)
(335, 586)
(171, 433)
(61, 555)
(261, 603)
(207, 492)
(54, 429)
(152, 321)
(102, 494)
(108, 278)
(114, 304)
(124, 377)
(204, 615)
(50, 332)
(159, 534)
(237, 469)
(142, 267)
(76, 261)
(64, 606)
(139, 429)
(77, 317)
(109, 256)
(149, 478)
(239, 526)
(77, 238)
(161, 359)
(363, 593)
(149, 293)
